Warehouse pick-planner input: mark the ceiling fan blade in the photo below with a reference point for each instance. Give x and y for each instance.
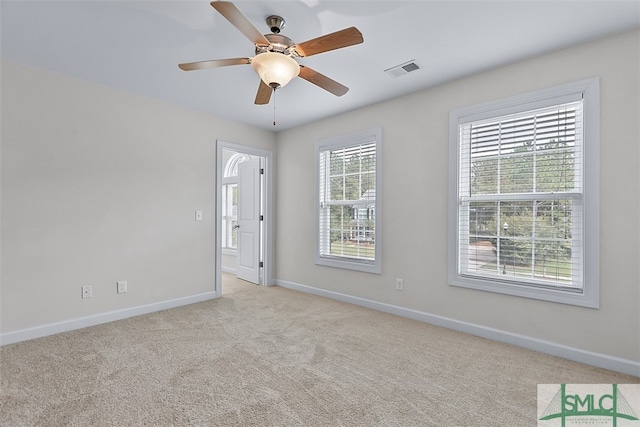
(213, 63)
(339, 39)
(322, 81)
(238, 20)
(264, 93)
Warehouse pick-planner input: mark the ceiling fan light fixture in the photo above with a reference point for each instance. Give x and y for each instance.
(275, 69)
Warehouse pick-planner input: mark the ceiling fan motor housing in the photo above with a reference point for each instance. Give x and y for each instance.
(277, 43)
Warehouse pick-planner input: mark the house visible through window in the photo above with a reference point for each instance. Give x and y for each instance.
(522, 222)
(348, 197)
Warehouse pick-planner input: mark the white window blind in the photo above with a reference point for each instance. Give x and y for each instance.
(521, 197)
(520, 200)
(347, 202)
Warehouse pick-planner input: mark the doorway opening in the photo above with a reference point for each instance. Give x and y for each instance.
(243, 217)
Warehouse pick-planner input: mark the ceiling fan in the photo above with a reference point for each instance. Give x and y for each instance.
(275, 54)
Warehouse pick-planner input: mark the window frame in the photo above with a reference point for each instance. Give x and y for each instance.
(229, 179)
(228, 216)
(590, 92)
(363, 137)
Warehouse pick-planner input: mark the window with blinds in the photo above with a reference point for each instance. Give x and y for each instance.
(520, 197)
(348, 229)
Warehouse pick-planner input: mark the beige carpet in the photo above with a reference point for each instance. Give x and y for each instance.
(276, 357)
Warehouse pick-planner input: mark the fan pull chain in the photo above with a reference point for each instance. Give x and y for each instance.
(274, 106)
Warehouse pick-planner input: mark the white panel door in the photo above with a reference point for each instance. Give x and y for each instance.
(249, 221)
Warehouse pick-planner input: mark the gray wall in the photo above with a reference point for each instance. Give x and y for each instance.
(415, 167)
(99, 185)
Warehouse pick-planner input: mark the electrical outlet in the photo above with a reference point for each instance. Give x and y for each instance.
(400, 284)
(86, 292)
(121, 286)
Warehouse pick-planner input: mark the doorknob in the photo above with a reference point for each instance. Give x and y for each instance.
(236, 226)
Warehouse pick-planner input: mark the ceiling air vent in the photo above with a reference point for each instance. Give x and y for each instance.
(402, 69)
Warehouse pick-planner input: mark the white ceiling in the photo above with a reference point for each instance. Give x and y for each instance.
(136, 46)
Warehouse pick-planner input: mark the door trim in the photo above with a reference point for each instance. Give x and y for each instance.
(267, 241)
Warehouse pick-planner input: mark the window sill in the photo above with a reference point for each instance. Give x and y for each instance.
(583, 298)
(374, 268)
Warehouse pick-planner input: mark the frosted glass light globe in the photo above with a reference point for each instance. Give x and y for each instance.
(275, 69)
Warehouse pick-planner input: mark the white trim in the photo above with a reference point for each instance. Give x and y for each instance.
(97, 319)
(267, 275)
(232, 166)
(590, 88)
(229, 270)
(605, 361)
(365, 136)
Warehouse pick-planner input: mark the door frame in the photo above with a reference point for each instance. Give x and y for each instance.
(267, 201)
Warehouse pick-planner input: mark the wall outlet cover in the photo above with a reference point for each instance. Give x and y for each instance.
(86, 292)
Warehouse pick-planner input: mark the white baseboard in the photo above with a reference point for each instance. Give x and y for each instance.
(229, 270)
(599, 360)
(97, 319)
